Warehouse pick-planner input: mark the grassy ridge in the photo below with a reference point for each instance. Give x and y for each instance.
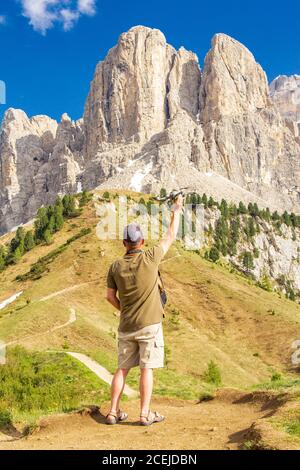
(212, 315)
(35, 384)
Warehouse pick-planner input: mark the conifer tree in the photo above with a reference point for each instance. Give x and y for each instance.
(29, 241)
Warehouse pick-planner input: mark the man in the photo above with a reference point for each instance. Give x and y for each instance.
(132, 288)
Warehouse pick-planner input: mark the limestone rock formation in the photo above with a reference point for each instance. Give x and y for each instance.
(277, 251)
(38, 160)
(246, 139)
(285, 92)
(152, 119)
(233, 83)
(221, 127)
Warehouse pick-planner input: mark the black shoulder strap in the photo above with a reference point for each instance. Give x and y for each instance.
(161, 280)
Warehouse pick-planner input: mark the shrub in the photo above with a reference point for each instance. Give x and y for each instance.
(163, 192)
(265, 283)
(5, 417)
(212, 375)
(214, 254)
(276, 377)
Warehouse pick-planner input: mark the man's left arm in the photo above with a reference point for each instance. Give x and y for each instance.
(112, 289)
(111, 297)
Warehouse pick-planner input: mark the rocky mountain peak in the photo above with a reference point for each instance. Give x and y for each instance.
(285, 92)
(233, 82)
(153, 119)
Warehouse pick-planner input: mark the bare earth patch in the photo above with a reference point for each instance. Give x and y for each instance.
(226, 422)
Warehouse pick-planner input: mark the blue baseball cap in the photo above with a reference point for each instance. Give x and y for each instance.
(133, 234)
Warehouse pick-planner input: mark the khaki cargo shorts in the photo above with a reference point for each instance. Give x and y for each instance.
(144, 348)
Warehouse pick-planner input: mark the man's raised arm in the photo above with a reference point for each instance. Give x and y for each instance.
(174, 224)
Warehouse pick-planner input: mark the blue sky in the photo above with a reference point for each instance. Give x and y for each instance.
(49, 48)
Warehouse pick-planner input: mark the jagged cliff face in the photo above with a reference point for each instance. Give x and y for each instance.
(153, 119)
(285, 92)
(137, 89)
(39, 159)
(246, 139)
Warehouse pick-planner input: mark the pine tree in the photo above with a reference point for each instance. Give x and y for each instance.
(210, 202)
(41, 223)
(275, 216)
(204, 200)
(292, 295)
(29, 241)
(253, 209)
(233, 210)
(286, 219)
(194, 199)
(47, 236)
(242, 209)
(224, 208)
(69, 205)
(17, 240)
(58, 217)
(52, 224)
(250, 228)
(84, 199)
(16, 255)
(234, 234)
(248, 260)
(2, 258)
(214, 254)
(58, 203)
(221, 235)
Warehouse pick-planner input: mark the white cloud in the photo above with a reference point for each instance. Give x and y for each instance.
(69, 18)
(44, 14)
(2, 19)
(87, 7)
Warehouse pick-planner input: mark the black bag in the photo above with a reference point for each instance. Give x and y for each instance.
(162, 291)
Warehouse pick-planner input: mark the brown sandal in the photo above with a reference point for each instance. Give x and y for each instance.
(115, 417)
(151, 417)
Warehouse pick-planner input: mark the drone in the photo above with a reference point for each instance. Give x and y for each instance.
(173, 195)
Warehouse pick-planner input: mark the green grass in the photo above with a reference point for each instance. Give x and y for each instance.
(166, 382)
(279, 383)
(41, 266)
(35, 384)
(293, 427)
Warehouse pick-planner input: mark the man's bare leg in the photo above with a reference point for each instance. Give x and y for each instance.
(146, 387)
(117, 387)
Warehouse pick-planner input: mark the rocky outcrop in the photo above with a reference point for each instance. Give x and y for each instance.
(153, 119)
(277, 254)
(221, 127)
(285, 92)
(137, 89)
(39, 159)
(233, 83)
(246, 139)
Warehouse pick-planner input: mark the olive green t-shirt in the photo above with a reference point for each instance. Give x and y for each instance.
(135, 277)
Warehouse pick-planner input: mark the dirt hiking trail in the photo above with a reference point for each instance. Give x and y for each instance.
(222, 423)
(100, 371)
